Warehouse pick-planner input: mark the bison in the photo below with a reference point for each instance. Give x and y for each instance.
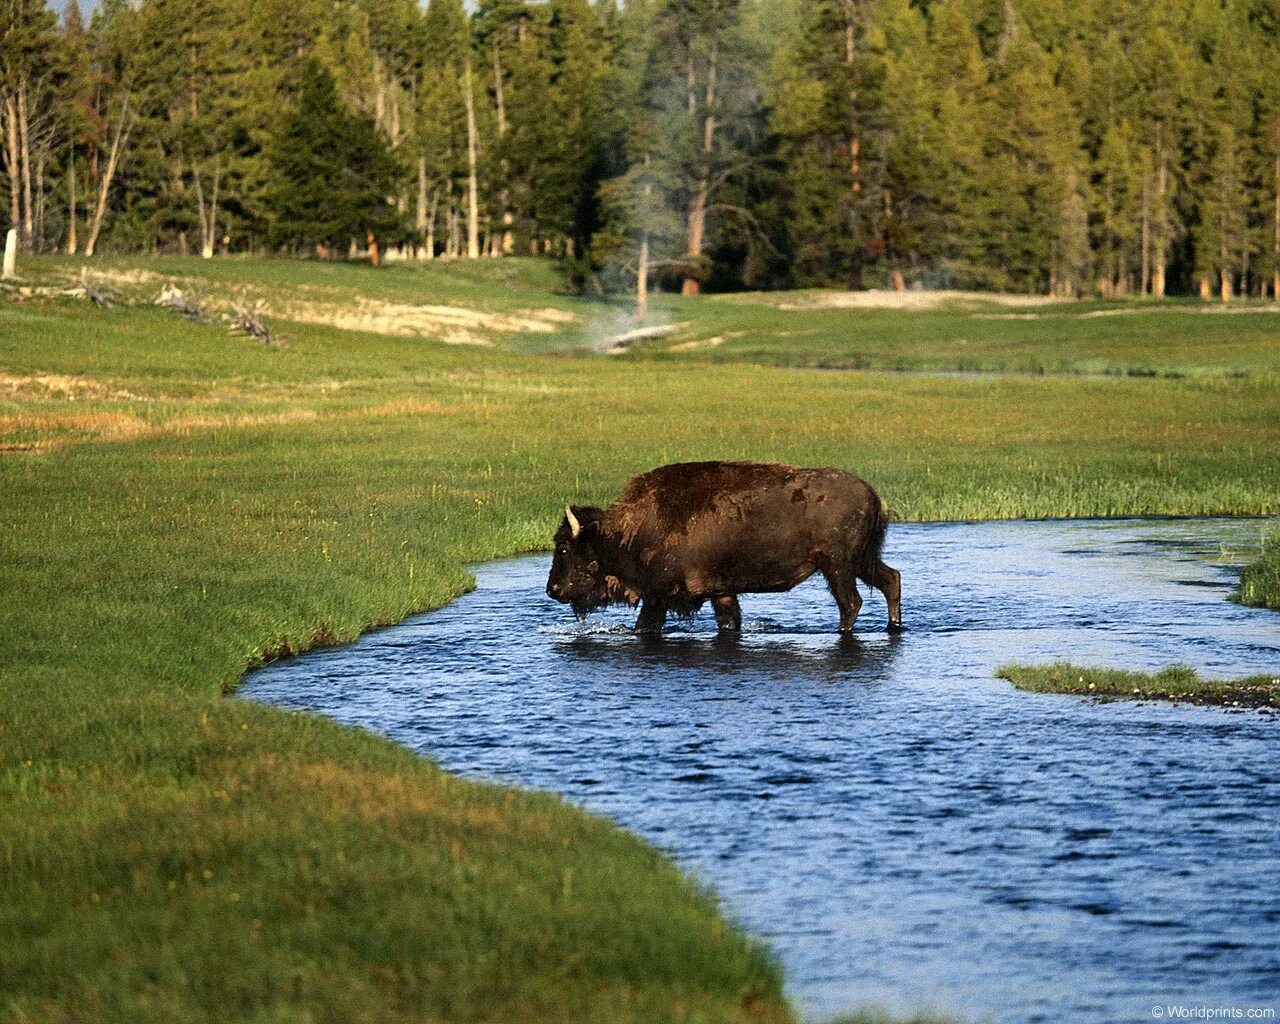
(684, 534)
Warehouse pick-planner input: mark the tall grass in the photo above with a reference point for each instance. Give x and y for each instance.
(179, 505)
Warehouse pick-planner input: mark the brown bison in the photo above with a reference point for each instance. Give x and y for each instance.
(708, 531)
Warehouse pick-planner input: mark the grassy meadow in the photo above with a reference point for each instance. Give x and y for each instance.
(179, 505)
(968, 334)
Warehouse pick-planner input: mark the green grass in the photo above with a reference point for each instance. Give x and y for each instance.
(1177, 683)
(180, 504)
(1172, 339)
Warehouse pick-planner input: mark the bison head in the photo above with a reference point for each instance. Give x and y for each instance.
(578, 577)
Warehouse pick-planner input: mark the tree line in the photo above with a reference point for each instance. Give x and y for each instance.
(1067, 147)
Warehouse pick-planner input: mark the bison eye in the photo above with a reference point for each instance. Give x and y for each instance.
(563, 549)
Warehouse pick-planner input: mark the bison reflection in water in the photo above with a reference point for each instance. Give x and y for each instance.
(681, 535)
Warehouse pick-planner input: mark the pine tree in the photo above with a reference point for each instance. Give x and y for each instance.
(832, 120)
(333, 172)
(580, 50)
(442, 125)
(1031, 148)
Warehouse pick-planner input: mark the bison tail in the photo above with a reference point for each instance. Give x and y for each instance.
(879, 524)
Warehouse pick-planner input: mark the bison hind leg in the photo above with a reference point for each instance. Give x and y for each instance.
(889, 582)
(844, 588)
(728, 613)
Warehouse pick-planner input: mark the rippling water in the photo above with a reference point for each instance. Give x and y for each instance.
(904, 830)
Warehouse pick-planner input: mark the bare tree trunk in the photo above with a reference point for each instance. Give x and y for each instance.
(451, 244)
(24, 137)
(206, 250)
(642, 270)
(1144, 284)
(642, 278)
(508, 218)
(12, 161)
(1162, 242)
(208, 215)
(1223, 255)
(72, 242)
(118, 142)
(10, 254)
(420, 218)
(430, 251)
(473, 186)
(701, 196)
(41, 164)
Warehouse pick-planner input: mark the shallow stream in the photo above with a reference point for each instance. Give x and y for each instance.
(904, 830)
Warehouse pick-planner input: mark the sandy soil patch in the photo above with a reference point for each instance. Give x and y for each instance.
(454, 325)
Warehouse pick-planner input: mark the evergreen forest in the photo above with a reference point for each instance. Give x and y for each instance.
(1065, 147)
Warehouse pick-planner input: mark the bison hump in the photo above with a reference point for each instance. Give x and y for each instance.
(670, 497)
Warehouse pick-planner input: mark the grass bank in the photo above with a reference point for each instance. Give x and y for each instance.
(180, 504)
(1176, 683)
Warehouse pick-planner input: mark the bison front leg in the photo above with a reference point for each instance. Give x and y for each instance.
(728, 613)
(844, 589)
(652, 615)
(889, 583)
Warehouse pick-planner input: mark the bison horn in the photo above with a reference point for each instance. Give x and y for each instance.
(572, 520)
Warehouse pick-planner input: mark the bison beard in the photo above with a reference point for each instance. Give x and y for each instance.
(684, 534)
